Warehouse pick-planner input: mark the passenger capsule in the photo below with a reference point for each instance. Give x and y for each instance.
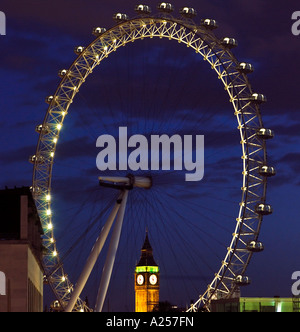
(188, 12)
(36, 190)
(258, 98)
(119, 17)
(165, 7)
(78, 50)
(242, 280)
(42, 129)
(209, 24)
(62, 73)
(142, 9)
(265, 133)
(98, 31)
(267, 171)
(254, 246)
(229, 42)
(263, 209)
(49, 99)
(39, 129)
(246, 68)
(36, 159)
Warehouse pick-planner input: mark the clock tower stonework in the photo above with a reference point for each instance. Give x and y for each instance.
(146, 280)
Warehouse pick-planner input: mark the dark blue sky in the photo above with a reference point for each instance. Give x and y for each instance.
(41, 36)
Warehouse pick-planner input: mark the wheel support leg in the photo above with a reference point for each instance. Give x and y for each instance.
(94, 255)
(110, 259)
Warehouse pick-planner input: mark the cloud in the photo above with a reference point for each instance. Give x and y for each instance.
(76, 148)
(288, 130)
(292, 159)
(17, 155)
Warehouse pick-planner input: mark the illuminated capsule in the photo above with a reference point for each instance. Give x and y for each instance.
(78, 50)
(265, 133)
(42, 129)
(36, 190)
(267, 171)
(229, 42)
(209, 24)
(254, 246)
(119, 17)
(242, 280)
(264, 209)
(36, 159)
(98, 31)
(49, 99)
(188, 12)
(246, 68)
(165, 7)
(258, 98)
(143, 9)
(62, 73)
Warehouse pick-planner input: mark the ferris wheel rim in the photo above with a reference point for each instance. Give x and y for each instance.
(209, 47)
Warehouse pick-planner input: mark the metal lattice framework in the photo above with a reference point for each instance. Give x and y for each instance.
(233, 75)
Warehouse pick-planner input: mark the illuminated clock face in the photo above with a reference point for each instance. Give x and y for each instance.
(153, 279)
(140, 279)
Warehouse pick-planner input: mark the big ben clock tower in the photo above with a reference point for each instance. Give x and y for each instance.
(146, 280)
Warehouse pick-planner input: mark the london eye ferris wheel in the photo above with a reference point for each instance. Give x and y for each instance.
(210, 227)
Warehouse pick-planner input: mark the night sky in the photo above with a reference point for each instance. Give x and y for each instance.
(40, 39)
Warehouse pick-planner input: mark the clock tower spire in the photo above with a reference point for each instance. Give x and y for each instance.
(146, 280)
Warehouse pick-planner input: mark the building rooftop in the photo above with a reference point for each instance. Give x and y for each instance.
(19, 220)
(10, 228)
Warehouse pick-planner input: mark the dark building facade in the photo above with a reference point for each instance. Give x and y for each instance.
(20, 252)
